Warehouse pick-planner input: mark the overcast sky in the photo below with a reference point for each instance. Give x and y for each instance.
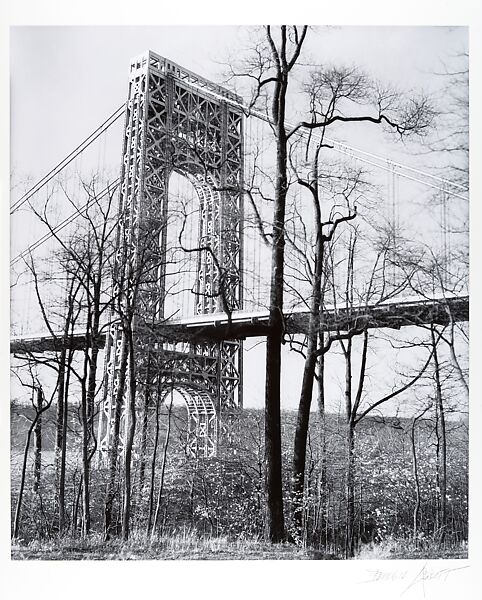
(66, 80)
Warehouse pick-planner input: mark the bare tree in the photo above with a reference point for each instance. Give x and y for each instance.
(271, 66)
(85, 257)
(40, 405)
(346, 96)
(163, 469)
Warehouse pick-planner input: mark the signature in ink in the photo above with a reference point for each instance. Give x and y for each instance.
(428, 574)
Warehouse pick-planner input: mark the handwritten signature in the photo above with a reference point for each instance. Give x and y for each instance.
(424, 574)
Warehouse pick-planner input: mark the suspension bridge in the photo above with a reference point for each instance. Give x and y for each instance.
(190, 214)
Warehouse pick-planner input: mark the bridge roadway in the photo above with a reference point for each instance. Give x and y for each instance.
(242, 324)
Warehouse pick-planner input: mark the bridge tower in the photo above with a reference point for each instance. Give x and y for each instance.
(177, 122)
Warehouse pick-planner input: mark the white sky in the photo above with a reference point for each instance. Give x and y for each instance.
(66, 80)
(62, 72)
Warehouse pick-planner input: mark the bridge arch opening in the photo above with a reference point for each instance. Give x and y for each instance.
(191, 274)
(202, 431)
(182, 238)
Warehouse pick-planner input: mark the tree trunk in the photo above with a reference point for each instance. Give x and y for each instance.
(60, 421)
(304, 407)
(37, 469)
(144, 431)
(350, 457)
(413, 445)
(85, 467)
(86, 433)
(153, 464)
(63, 448)
(163, 469)
(18, 509)
(274, 486)
(416, 508)
(63, 386)
(350, 493)
(442, 445)
(114, 446)
(322, 417)
(126, 513)
(301, 434)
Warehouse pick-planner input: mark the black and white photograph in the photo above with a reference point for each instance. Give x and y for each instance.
(239, 304)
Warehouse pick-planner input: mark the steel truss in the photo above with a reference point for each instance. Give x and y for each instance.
(176, 121)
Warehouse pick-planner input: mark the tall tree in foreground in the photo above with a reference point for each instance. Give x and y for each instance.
(284, 54)
(273, 62)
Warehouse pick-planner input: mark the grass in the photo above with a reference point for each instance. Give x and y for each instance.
(188, 545)
(399, 549)
(184, 545)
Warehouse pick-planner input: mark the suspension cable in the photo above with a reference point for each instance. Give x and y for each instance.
(64, 223)
(400, 165)
(404, 175)
(69, 158)
(352, 151)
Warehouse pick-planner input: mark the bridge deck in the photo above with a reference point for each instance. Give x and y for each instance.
(242, 324)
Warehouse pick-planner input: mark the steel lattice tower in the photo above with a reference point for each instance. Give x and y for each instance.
(178, 122)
